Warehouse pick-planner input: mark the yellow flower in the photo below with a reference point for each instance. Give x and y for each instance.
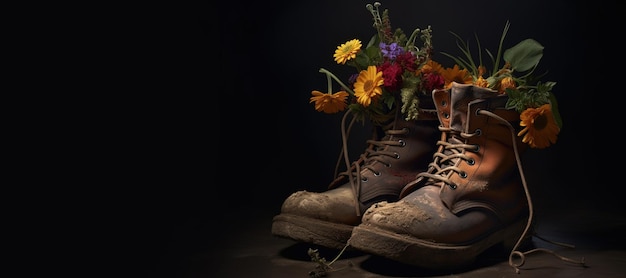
(458, 75)
(367, 85)
(481, 82)
(329, 103)
(540, 128)
(347, 51)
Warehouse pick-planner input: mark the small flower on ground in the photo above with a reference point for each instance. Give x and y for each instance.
(540, 129)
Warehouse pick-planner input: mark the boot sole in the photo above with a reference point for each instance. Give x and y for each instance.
(315, 231)
(428, 254)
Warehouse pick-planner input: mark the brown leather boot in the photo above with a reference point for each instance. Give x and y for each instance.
(472, 197)
(380, 173)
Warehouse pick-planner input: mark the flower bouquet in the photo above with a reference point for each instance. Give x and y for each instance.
(393, 72)
(527, 95)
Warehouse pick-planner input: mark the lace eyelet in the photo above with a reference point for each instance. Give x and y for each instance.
(478, 132)
(376, 174)
(397, 155)
(463, 174)
(471, 161)
(446, 115)
(402, 143)
(364, 179)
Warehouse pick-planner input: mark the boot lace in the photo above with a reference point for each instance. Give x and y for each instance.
(443, 167)
(375, 151)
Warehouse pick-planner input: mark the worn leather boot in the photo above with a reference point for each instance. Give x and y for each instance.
(387, 165)
(473, 196)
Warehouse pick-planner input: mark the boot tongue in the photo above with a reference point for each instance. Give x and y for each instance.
(461, 96)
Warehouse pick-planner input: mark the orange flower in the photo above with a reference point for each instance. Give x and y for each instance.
(455, 74)
(505, 83)
(329, 103)
(540, 128)
(430, 67)
(368, 85)
(481, 70)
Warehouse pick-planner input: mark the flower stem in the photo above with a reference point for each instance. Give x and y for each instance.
(339, 255)
(331, 75)
(410, 43)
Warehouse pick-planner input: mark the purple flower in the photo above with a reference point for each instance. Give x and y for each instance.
(390, 51)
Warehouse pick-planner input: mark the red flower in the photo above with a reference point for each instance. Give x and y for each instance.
(392, 74)
(407, 61)
(433, 81)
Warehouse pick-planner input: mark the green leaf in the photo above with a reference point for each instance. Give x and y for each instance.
(555, 111)
(362, 61)
(372, 42)
(525, 55)
(515, 100)
(545, 87)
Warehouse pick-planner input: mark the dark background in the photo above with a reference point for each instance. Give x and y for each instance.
(273, 142)
(236, 133)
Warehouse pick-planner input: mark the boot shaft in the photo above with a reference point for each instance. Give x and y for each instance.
(404, 149)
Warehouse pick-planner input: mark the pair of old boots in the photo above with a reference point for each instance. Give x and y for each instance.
(433, 193)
